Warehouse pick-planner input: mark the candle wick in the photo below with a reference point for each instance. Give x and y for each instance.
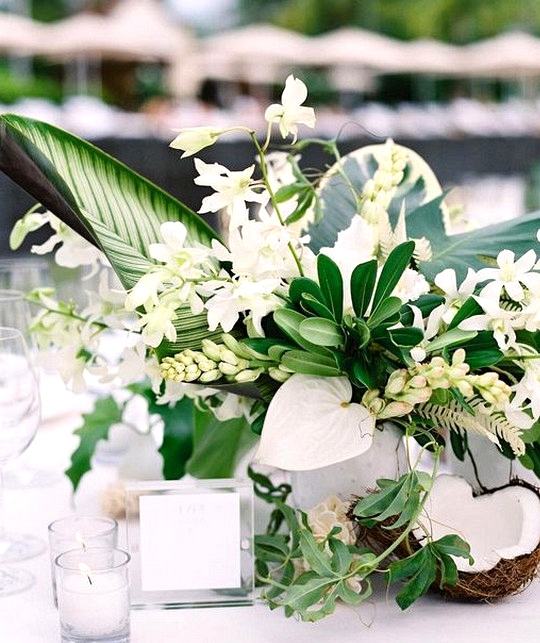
(89, 578)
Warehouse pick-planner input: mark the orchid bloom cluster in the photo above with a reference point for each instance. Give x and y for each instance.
(338, 341)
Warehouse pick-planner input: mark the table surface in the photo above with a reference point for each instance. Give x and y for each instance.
(30, 617)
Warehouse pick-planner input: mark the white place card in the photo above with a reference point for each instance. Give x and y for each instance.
(191, 542)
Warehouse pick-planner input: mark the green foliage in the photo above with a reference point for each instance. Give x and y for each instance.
(458, 21)
(217, 445)
(422, 568)
(14, 88)
(95, 427)
(315, 322)
(332, 565)
(177, 444)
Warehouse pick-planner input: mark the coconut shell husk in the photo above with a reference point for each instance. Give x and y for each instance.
(507, 578)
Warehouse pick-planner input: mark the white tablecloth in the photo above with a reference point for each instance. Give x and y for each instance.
(30, 617)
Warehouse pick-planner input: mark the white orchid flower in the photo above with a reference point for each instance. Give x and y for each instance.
(290, 112)
(497, 320)
(193, 139)
(311, 423)
(511, 275)
(232, 191)
(230, 298)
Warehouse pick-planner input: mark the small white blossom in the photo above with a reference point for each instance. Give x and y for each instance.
(510, 275)
(232, 191)
(243, 295)
(497, 320)
(290, 113)
(194, 139)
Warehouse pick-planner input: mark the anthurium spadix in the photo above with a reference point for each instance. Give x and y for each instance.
(311, 423)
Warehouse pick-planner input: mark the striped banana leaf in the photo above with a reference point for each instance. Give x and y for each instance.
(102, 199)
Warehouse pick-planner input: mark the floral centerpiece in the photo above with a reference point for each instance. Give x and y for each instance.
(336, 308)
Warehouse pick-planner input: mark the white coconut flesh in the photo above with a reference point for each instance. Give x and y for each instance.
(503, 524)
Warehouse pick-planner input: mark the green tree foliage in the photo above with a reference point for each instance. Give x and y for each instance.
(456, 21)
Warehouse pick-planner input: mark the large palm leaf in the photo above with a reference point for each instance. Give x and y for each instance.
(425, 212)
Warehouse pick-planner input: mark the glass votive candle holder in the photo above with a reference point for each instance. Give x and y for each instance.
(80, 532)
(93, 595)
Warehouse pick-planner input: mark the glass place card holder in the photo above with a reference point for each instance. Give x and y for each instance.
(191, 543)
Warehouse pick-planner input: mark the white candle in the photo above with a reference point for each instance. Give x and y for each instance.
(95, 608)
(73, 532)
(93, 600)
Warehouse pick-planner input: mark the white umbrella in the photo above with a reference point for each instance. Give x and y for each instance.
(509, 55)
(256, 53)
(134, 30)
(20, 35)
(351, 47)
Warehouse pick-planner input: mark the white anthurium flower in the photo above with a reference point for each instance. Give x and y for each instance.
(290, 113)
(312, 423)
(194, 139)
(511, 275)
(232, 191)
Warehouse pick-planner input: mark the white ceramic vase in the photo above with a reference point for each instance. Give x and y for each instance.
(386, 458)
(493, 470)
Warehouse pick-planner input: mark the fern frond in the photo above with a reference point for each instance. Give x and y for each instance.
(422, 250)
(453, 417)
(386, 237)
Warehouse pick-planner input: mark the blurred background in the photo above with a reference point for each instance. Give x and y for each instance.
(455, 80)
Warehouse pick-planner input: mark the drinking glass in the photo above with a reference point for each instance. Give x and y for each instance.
(19, 419)
(15, 312)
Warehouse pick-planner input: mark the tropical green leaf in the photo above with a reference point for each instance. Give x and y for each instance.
(468, 249)
(310, 589)
(289, 321)
(315, 555)
(322, 332)
(363, 374)
(363, 280)
(331, 283)
(217, 445)
(95, 427)
(343, 183)
(311, 305)
(310, 364)
(342, 558)
(450, 338)
(106, 202)
(407, 337)
(177, 444)
(469, 308)
(387, 310)
(302, 285)
(392, 271)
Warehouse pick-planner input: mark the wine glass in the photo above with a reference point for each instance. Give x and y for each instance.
(19, 419)
(15, 313)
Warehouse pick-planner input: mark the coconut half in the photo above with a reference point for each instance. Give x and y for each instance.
(502, 528)
(503, 524)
